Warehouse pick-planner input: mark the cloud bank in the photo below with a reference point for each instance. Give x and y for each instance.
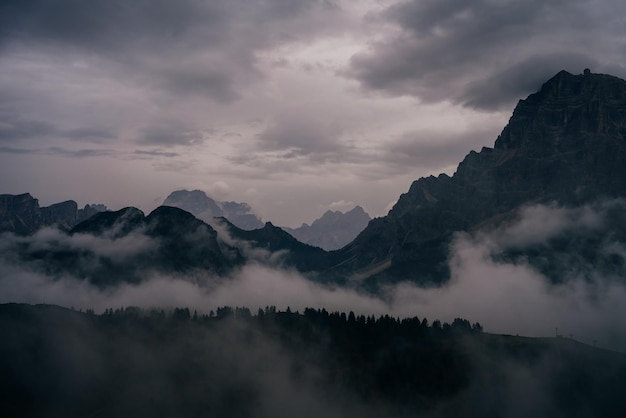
(281, 97)
(437, 44)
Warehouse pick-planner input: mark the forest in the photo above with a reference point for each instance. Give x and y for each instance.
(233, 362)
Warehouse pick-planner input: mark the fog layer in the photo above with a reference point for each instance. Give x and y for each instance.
(506, 294)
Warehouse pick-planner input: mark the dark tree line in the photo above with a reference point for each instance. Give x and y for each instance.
(231, 362)
(308, 325)
(378, 357)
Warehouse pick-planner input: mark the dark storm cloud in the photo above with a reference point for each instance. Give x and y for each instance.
(14, 128)
(169, 135)
(470, 52)
(189, 46)
(90, 134)
(101, 24)
(11, 150)
(155, 153)
(72, 153)
(213, 80)
(78, 153)
(105, 25)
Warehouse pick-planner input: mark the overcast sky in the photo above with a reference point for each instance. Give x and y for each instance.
(294, 106)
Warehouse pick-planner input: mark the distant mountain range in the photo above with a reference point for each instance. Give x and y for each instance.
(564, 146)
(128, 246)
(333, 230)
(330, 232)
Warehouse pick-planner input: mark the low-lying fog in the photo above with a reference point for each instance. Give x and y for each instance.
(505, 297)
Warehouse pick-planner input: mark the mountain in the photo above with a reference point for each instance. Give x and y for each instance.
(276, 245)
(333, 230)
(125, 246)
(205, 208)
(564, 145)
(22, 215)
(114, 224)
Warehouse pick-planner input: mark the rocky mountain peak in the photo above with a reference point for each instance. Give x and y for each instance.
(357, 210)
(193, 201)
(333, 230)
(21, 214)
(204, 207)
(582, 105)
(566, 143)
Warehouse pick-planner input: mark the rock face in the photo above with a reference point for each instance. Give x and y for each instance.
(22, 215)
(333, 230)
(19, 213)
(564, 144)
(205, 208)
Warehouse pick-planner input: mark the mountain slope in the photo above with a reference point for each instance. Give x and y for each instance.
(279, 246)
(564, 144)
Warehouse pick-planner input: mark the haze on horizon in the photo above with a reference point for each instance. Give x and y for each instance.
(292, 106)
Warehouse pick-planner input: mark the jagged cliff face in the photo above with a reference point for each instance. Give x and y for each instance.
(18, 213)
(565, 144)
(22, 215)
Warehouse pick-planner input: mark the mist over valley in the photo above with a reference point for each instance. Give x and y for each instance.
(312, 208)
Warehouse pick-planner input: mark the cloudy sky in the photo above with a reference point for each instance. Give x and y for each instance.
(294, 106)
